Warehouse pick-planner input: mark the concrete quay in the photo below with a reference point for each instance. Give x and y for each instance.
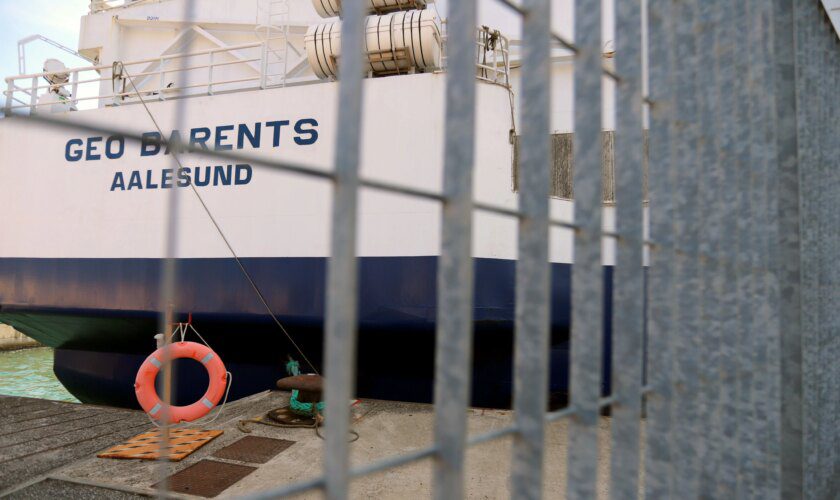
(11, 339)
(49, 449)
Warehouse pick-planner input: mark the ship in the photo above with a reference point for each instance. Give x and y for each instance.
(86, 186)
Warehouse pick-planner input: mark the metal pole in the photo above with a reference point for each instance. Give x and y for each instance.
(688, 439)
(587, 270)
(453, 361)
(721, 476)
(711, 219)
(168, 292)
(661, 325)
(533, 271)
(628, 278)
(342, 273)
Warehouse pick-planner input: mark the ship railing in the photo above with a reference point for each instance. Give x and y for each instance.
(492, 55)
(207, 73)
(204, 68)
(103, 5)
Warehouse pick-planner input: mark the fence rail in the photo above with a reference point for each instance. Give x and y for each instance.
(728, 341)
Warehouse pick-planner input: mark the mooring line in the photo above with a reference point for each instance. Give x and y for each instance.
(175, 152)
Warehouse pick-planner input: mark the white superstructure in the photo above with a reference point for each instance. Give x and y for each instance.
(226, 60)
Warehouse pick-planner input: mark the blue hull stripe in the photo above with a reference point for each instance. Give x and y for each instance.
(393, 291)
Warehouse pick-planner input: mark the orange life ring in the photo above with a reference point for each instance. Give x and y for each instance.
(144, 384)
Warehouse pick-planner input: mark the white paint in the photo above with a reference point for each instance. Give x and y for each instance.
(62, 209)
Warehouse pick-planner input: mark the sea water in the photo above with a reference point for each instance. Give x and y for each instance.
(29, 373)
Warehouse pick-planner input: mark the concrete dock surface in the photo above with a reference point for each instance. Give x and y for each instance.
(48, 449)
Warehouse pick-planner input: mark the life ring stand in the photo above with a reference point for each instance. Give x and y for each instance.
(147, 396)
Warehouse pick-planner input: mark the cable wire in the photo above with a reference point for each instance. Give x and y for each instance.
(119, 69)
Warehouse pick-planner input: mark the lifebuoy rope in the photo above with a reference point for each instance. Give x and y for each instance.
(182, 330)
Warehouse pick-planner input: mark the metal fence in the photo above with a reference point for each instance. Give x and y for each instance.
(724, 373)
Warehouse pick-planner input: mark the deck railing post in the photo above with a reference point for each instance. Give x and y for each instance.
(210, 73)
(33, 95)
(10, 97)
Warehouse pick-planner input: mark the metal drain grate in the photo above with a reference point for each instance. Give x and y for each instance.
(206, 478)
(254, 449)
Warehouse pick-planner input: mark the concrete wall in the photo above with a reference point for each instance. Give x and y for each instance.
(13, 339)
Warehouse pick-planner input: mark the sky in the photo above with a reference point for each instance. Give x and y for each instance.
(55, 19)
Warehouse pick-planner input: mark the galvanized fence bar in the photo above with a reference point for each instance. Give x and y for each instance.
(710, 218)
(744, 442)
(453, 370)
(342, 273)
(660, 297)
(763, 11)
(533, 271)
(743, 284)
(832, 350)
(167, 287)
(628, 277)
(764, 320)
(687, 436)
(722, 475)
(587, 273)
(807, 109)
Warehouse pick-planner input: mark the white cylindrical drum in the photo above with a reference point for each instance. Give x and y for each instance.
(394, 43)
(332, 8)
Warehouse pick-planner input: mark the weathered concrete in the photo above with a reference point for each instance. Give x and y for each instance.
(385, 429)
(11, 339)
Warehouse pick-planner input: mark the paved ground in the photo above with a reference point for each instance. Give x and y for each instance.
(385, 429)
(38, 436)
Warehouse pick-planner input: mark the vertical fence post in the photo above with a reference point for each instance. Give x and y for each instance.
(807, 67)
(736, 15)
(587, 271)
(710, 220)
(453, 365)
(628, 278)
(659, 451)
(533, 270)
(721, 474)
(764, 324)
(342, 273)
(688, 440)
(168, 285)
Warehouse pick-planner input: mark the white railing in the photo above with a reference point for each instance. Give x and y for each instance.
(206, 73)
(149, 75)
(103, 5)
(492, 55)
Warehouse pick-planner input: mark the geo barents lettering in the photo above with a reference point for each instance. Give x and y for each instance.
(274, 134)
